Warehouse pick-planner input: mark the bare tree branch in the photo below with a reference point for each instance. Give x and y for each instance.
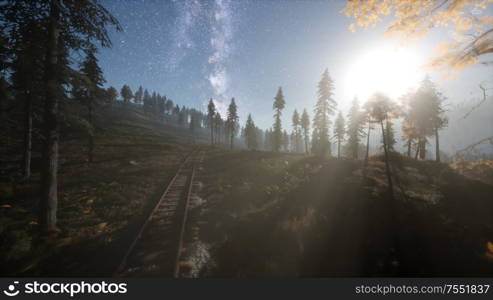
(482, 100)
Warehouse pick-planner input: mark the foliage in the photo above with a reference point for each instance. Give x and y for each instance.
(473, 31)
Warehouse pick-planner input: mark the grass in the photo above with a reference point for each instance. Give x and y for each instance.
(101, 204)
(260, 214)
(285, 215)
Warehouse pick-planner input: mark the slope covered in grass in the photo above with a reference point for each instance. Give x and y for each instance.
(101, 204)
(291, 215)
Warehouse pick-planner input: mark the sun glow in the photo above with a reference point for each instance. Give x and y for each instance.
(386, 69)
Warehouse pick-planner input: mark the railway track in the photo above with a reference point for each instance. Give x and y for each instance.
(159, 249)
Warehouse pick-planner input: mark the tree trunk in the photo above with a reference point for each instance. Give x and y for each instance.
(422, 148)
(394, 227)
(4, 115)
(417, 151)
(387, 166)
(212, 133)
(437, 145)
(387, 135)
(368, 144)
(28, 132)
(231, 141)
(306, 142)
(338, 148)
(49, 196)
(409, 142)
(91, 134)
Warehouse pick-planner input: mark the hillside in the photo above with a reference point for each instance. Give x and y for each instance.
(282, 215)
(290, 215)
(101, 203)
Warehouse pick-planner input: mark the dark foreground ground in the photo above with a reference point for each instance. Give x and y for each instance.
(289, 215)
(261, 214)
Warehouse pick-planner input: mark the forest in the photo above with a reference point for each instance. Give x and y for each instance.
(175, 168)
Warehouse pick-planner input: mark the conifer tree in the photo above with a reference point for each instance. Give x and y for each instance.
(339, 132)
(92, 91)
(146, 100)
(232, 121)
(27, 78)
(268, 140)
(138, 95)
(285, 141)
(324, 108)
(218, 127)
(305, 126)
(355, 128)
(77, 25)
(250, 133)
(126, 94)
(424, 116)
(389, 136)
(211, 111)
(296, 131)
(277, 133)
(111, 95)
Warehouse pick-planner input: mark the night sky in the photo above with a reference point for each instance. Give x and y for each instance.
(193, 50)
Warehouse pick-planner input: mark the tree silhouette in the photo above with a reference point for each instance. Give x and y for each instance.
(138, 95)
(324, 108)
(211, 111)
(72, 25)
(277, 133)
(250, 133)
(339, 132)
(381, 109)
(232, 121)
(305, 126)
(92, 91)
(126, 94)
(355, 128)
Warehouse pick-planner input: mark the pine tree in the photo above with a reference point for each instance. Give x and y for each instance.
(78, 24)
(305, 126)
(296, 132)
(147, 102)
(111, 95)
(161, 107)
(138, 95)
(218, 127)
(92, 90)
(285, 141)
(211, 111)
(27, 78)
(126, 93)
(437, 112)
(324, 108)
(278, 106)
(232, 121)
(250, 134)
(169, 106)
(339, 132)
(268, 140)
(424, 116)
(355, 128)
(389, 136)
